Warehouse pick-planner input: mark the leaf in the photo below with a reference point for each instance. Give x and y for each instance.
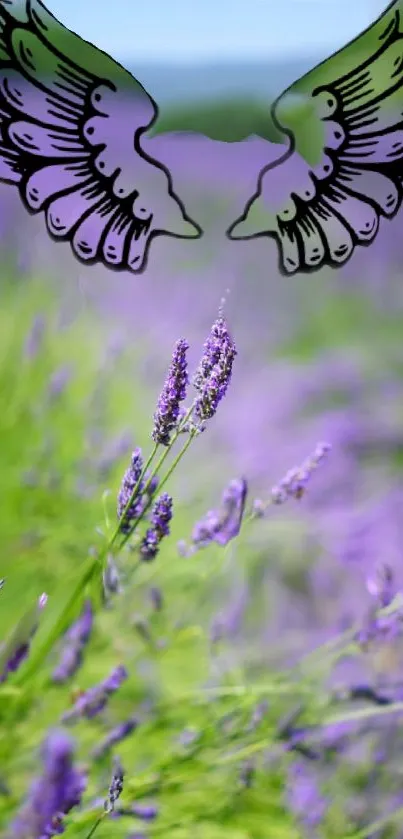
(58, 618)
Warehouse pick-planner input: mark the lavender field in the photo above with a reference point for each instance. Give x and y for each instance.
(230, 668)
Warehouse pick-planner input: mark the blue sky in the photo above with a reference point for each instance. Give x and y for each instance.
(182, 30)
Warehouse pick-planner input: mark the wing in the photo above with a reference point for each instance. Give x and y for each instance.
(343, 169)
(71, 123)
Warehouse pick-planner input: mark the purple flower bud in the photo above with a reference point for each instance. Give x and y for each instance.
(21, 647)
(116, 786)
(156, 598)
(59, 381)
(304, 796)
(173, 393)
(223, 525)
(146, 812)
(54, 794)
(35, 337)
(130, 481)
(76, 638)
(119, 733)
(161, 516)
(214, 373)
(381, 585)
(294, 483)
(95, 699)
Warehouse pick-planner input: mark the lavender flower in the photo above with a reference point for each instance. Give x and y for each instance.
(294, 484)
(156, 598)
(130, 481)
(214, 373)
(160, 519)
(20, 648)
(224, 524)
(76, 639)
(54, 794)
(145, 489)
(145, 812)
(167, 415)
(119, 733)
(111, 579)
(304, 796)
(116, 786)
(59, 381)
(35, 337)
(380, 627)
(381, 586)
(95, 699)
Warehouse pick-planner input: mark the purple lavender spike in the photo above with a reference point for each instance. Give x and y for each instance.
(214, 373)
(167, 415)
(294, 484)
(76, 638)
(59, 381)
(223, 525)
(119, 733)
(95, 699)
(20, 648)
(161, 516)
(130, 481)
(304, 796)
(35, 336)
(116, 786)
(145, 812)
(54, 794)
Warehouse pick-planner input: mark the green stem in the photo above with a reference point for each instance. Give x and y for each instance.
(161, 485)
(373, 828)
(95, 825)
(157, 468)
(117, 530)
(37, 656)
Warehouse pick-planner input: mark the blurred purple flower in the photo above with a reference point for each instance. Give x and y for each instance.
(304, 796)
(75, 640)
(22, 648)
(156, 598)
(381, 585)
(35, 336)
(111, 579)
(161, 516)
(294, 484)
(54, 794)
(214, 373)
(222, 525)
(95, 699)
(119, 733)
(59, 381)
(167, 415)
(145, 812)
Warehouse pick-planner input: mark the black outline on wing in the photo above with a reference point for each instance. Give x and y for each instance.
(22, 165)
(345, 89)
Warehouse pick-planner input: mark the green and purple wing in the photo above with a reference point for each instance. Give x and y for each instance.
(342, 172)
(71, 124)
